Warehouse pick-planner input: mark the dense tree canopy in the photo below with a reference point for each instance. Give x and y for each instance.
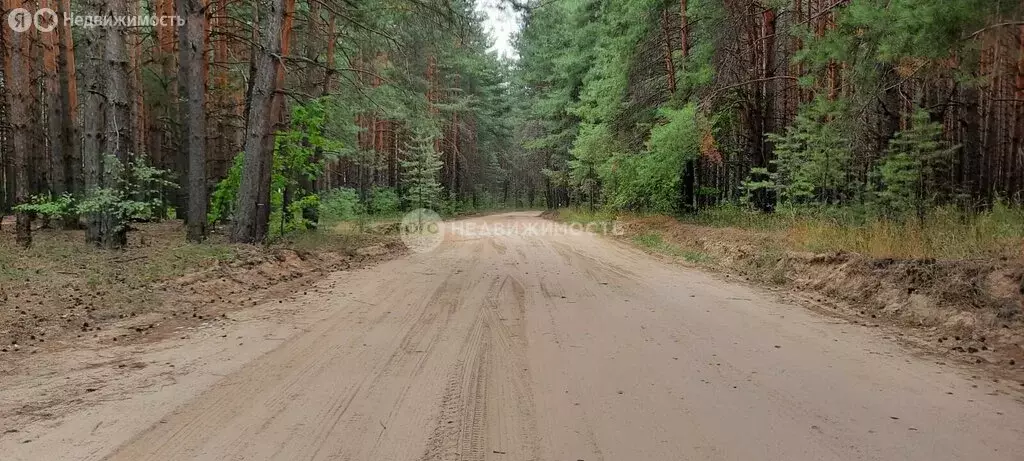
(672, 106)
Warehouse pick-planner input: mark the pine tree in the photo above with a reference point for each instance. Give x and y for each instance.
(909, 173)
(422, 167)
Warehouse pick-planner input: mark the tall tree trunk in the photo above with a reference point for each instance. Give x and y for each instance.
(133, 44)
(278, 114)
(17, 79)
(162, 111)
(39, 172)
(190, 72)
(331, 42)
(108, 229)
(1018, 135)
(689, 170)
(94, 123)
(120, 117)
(54, 110)
(224, 147)
(264, 70)
(72, 148)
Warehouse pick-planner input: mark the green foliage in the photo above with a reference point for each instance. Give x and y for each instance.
(299, 150)
(50, 207)
(384, 201)
(591, 149)
(650, 181)
(130, 193)
(812, 158)
(341, 204)
(655, 242)
(908, 173)
(225, 194)
(299, 154)
(142, 183)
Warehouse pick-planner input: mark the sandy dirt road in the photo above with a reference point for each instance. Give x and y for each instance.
(553, 347)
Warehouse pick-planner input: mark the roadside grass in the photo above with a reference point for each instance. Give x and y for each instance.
(945, 233)
(155, 252)
(654, 242)
(341, 237)
(585, 216)
(597, 221)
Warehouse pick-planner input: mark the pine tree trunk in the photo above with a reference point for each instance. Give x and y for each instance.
(264, 70)
(69, 101)
(38, 158)
(120, 124)
(133, 47)
(120, 118)
(190, 72)
(17, 79)
(54, 111)
(278, 113)
(1018, 135)
(93, 107)
(174, 110)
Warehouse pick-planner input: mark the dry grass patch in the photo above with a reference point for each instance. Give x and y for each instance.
(63, 286)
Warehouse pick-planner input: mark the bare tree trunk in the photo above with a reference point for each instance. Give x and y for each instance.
(133, 48)
(181, 150)
(163, 124)
(54, 110)
(120, 120)
(17, 79)
(94, 123)
(190, 73)
(278, 114)
(69, 101)
(1018, 135)
(251, 206)
(219, 102)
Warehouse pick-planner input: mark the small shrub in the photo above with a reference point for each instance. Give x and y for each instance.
(384, 201)
(61, 207)
(341, 204)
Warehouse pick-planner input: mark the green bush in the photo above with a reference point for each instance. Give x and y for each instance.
(129, 193)
(341, 204)
(384, 201)
(61, 207)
